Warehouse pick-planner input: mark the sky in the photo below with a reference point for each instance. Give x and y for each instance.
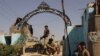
(11, 9)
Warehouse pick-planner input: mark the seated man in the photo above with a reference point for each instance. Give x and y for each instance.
(51, 47)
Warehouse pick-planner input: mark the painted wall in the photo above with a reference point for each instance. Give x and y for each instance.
(2, 39)
(85, 18)
(75, 36)
(13, 39)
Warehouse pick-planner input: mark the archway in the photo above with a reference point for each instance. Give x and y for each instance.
(45, 8)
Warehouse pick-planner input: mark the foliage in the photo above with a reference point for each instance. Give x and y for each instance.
(9, 50)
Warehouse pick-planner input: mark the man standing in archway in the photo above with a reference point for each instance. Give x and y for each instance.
(46, 34)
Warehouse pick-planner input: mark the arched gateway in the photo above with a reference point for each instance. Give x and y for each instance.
(45, 8)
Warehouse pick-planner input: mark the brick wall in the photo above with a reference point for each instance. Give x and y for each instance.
(96, 46)
(96, 49)
(97, 22)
